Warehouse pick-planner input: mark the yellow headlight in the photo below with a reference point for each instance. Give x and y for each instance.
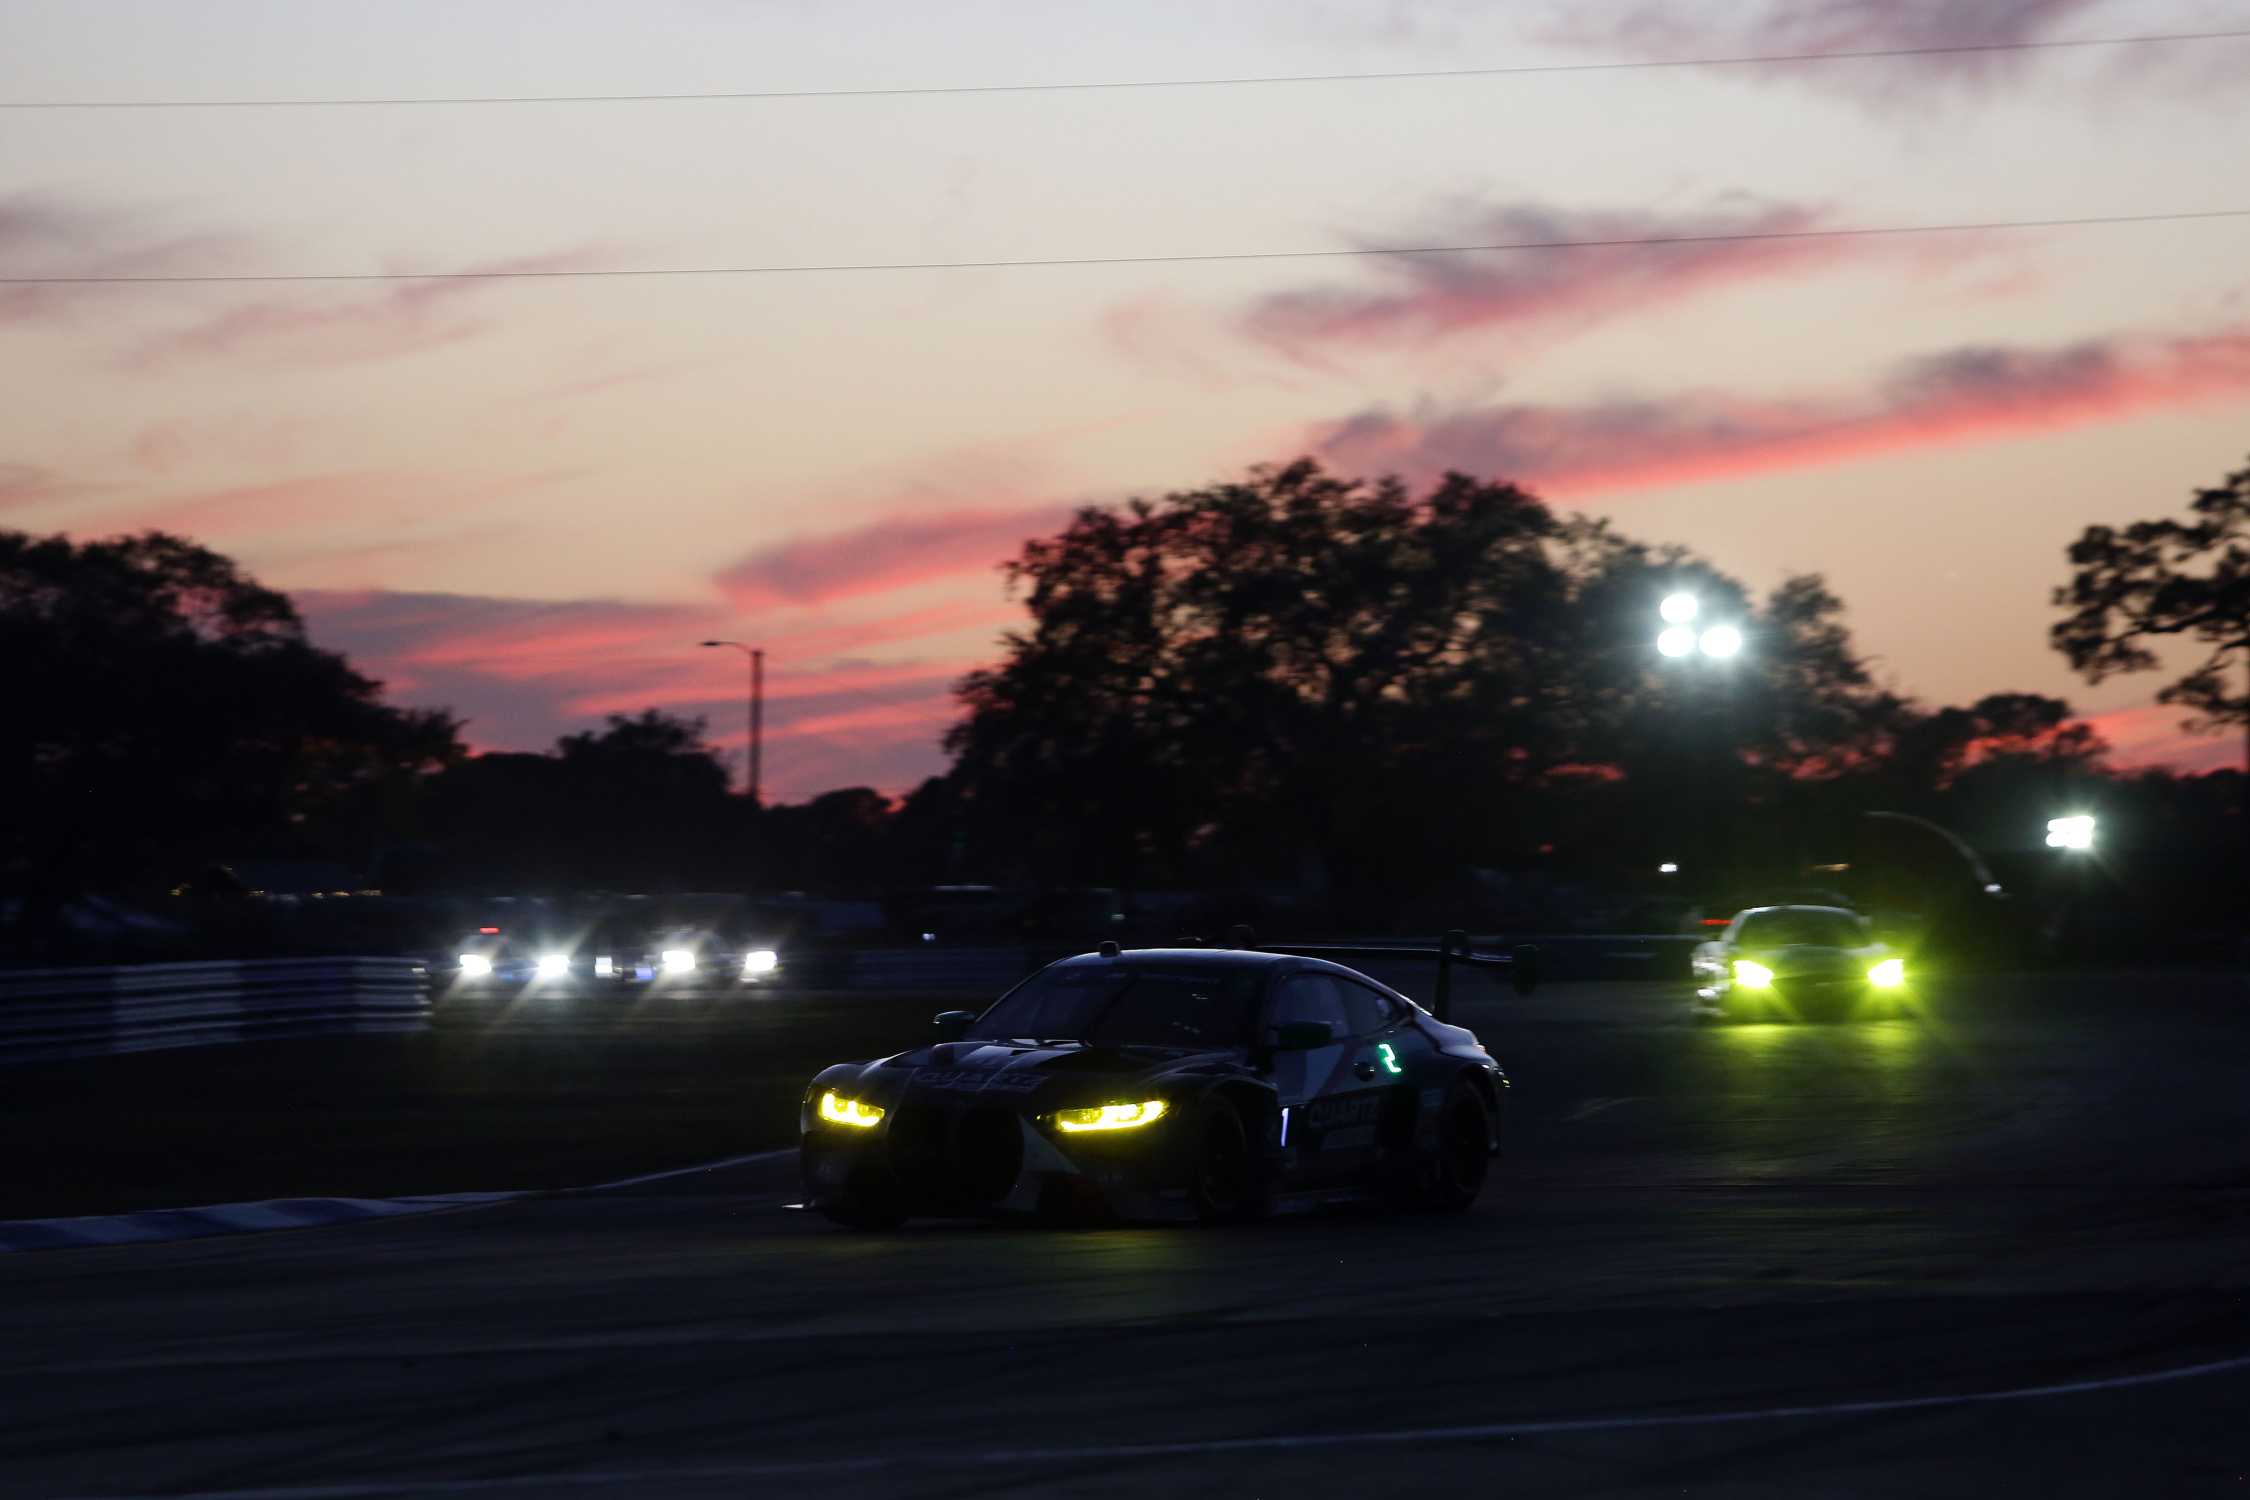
(837, 1110)
(1888, 975)
(1752, 975)
(1110, 1116)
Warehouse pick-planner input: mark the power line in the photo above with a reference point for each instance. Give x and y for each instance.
(1191, 258)
(931, 90)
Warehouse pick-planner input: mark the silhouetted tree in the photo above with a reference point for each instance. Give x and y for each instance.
(2161, 578)
(165, 709)
(1299, 670)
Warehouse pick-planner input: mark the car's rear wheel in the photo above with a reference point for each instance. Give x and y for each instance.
(1463, 1157)
(1224, 1184)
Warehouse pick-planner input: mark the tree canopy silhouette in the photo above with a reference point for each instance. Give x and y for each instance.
(2168, 577)
(1301, 669)
(164, 707)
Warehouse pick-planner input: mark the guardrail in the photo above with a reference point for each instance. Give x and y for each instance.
(50, 1014)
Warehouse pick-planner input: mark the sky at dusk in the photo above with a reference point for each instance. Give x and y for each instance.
(528, 500)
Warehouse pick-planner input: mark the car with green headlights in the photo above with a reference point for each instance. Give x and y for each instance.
(1163, 1083)
(1798, 963)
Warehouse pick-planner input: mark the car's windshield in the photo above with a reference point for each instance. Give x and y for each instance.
(1122, 1006)
(1782, 929)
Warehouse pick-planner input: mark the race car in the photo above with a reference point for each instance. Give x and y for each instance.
(1160, 1083)
(1798, 963)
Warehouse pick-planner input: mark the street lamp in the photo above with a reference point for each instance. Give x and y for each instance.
(1680, 638)
(1720, 641)
(757, 704)
(2073, 832)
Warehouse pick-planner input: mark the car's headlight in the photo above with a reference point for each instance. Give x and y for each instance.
(760, 961)
(475, 966)
(679, 961)
(604, 966)
(1752, 975)
(1110, 1116)
(552, 966)
(1888, 975)
(838, 1110)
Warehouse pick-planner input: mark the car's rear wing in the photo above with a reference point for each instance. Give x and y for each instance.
(1521, 961)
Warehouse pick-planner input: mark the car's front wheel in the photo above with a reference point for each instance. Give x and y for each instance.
(1463, 1158)
(1225, 1185)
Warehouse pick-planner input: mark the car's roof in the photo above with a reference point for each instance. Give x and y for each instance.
(1205, 959)
(1834, 911)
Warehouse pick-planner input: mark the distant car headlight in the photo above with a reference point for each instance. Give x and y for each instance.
(475, 966)
(1110, 1116)
(679, 961)
(552, 966)
(1888, 975)
(760, 961)
(604, 966)
(838, 1110)
(1752, 975)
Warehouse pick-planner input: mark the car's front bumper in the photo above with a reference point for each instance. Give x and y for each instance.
(936, 1157)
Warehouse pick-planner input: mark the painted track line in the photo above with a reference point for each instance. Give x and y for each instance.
(166, 1225)
(1282, 1442)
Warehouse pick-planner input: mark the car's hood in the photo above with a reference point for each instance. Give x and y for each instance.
(1019, 1068)
(1814, 960)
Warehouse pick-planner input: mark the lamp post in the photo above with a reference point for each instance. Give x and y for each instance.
(757, 706)
(1680, 637)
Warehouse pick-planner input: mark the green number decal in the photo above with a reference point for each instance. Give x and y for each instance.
(1390, 1058)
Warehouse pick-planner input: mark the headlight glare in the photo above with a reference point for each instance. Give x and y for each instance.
(1110, 1116)
(1752, 975)
(1887, 975)
(679, 961)
(475, 966)
(553, 966)
(838, 1110)
(760, 961)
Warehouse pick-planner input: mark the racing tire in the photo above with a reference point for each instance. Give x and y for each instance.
(1224, 1183)
(1457, 1168)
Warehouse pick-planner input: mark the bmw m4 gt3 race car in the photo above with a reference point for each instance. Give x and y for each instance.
(1798, 963)
(1188, 1083)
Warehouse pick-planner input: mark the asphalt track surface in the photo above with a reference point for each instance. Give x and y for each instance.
(2004, 1249)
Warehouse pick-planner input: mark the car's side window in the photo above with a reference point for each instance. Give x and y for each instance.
(1368, 1010)
(1311, 997)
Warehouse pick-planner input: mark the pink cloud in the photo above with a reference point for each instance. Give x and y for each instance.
(896, 552)
(28, 484)
(346, 325)
(1695, 28)
(525, 671)
(2151, 737)
(1959, 396)
(48, 234)
(1438, 296)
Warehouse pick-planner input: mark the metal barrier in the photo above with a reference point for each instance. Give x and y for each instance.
(49, 1014)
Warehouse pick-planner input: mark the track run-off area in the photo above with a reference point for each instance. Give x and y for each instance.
(2002, 1248)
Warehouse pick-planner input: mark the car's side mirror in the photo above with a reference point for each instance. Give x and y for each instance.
(1302, 1036)
(952, 1023)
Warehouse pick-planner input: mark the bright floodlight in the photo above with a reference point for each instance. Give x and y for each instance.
(2075, 832)
(679, 961)
(553, 966)
(1721, 641)
(1677, 641)
(1677, 609)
